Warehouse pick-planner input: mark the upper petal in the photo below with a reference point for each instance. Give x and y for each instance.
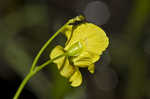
(92, 37)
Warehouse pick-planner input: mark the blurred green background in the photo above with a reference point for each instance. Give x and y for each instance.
(123, 71)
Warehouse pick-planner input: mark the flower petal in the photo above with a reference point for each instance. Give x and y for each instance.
(58, 50)
(68, 32)
(91, 68)
(94, 38)
(76, 78)
(66, 69)
(85, 59)
(63, 65)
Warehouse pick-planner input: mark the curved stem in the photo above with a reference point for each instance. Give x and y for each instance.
(32, 73)
(26, 79)
(44, 47)
(38, 68)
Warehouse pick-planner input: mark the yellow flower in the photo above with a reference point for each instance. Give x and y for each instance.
(85, 43)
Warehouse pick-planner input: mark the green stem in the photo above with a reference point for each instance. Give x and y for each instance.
(26, 79)
(38, 68)
(32, 73)
(44, 47)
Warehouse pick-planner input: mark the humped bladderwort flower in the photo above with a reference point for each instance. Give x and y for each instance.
(85, 43)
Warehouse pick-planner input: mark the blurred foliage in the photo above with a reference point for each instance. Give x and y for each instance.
(25, 26)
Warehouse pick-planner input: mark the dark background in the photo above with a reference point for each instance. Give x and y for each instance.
(123, 71)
